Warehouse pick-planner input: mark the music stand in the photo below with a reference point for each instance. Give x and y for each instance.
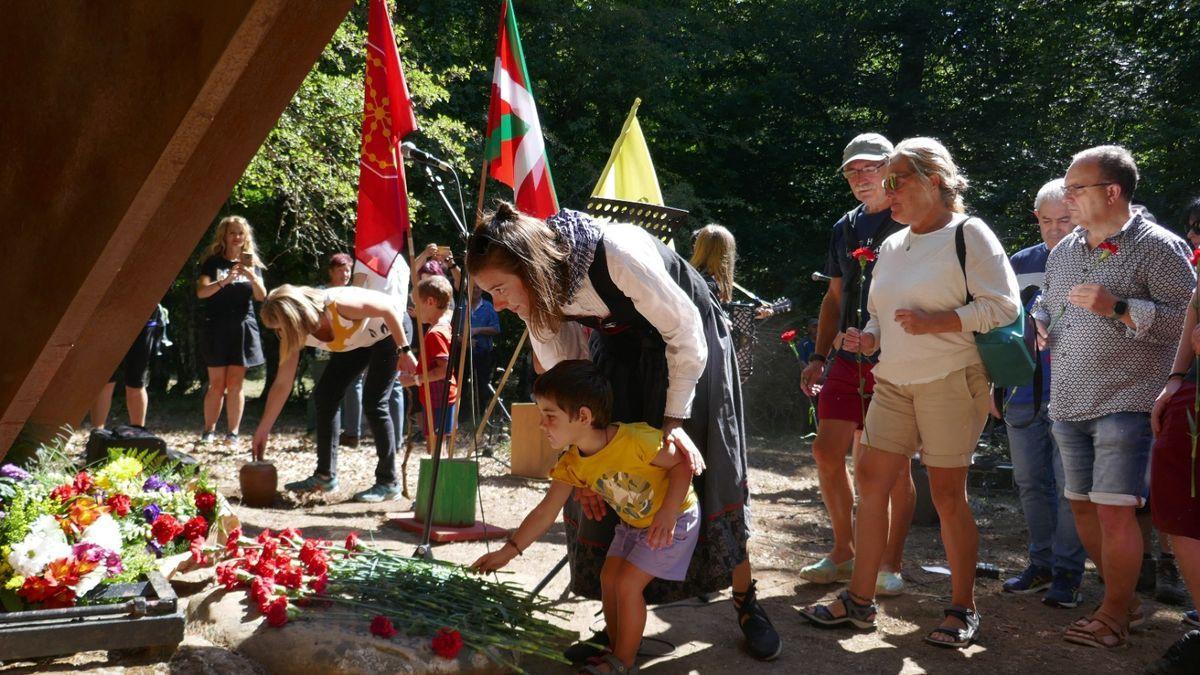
(661, 221)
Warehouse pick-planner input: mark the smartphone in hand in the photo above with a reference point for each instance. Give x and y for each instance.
(247, 261)
(443, 252)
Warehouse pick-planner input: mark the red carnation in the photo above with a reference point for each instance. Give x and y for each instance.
(291, 534)
(289, 577)
(317, 566)
(788, 335)
(119, 504)
(165, 529)
(447, 643)
(262, 590)
(270, 548)
(227, 575)
(83, 482)
(195, 528)
(1195, 259)
(206, 502)
(352, 541)
(277, 614)
(35, 589)
(264, 568)
(864, 255)
(318, 583)
(1107, 248)
(63, 493)
(382, 626)
(232, 542)
(264, 536)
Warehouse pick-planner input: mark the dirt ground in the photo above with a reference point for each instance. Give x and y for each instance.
(1020, 635)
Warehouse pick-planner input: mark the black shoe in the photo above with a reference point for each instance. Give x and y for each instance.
(1168, 587)
(1145, 582)
(348, 441)
(1181, 658)
(585, 649)
(762, 640)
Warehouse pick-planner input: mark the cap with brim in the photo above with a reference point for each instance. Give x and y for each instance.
(871, 147)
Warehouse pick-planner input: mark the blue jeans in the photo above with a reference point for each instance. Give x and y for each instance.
(1105, 460)
(1038, 472)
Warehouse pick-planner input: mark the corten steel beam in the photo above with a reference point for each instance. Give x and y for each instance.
(125, 126)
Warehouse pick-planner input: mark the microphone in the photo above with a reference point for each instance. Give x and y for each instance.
(817, 276)
(416, 154)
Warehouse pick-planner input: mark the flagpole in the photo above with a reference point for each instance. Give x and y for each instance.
(616, 149)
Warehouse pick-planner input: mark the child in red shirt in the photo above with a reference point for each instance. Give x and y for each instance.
(432, 307)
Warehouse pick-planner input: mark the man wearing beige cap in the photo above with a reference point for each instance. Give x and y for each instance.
(843, 379)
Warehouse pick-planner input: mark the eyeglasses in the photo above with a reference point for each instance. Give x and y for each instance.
(867, 171)
(1072, 190)
(893, 181)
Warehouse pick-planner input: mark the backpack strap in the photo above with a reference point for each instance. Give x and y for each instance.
(960, 247)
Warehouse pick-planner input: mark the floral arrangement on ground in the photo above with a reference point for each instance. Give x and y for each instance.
(291, 577)
(65, 532)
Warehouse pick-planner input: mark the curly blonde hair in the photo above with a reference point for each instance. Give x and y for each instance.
(294, 312)
(715, 251)
(217, 247)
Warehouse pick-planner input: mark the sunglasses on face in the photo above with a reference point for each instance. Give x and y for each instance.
(895, 180)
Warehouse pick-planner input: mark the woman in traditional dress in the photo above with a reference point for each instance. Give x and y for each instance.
(659, 335)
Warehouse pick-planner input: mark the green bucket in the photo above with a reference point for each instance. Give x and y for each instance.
(457, 488)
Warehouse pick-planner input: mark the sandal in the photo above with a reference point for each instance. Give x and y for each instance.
(614, 666)
(858, 614)
(963, 637)
(1110, 634)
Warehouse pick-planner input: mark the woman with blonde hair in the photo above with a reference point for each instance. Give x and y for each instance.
(931, 388)
(230, 281)
(362, 329)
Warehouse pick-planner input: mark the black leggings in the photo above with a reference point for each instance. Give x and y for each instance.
(379, 360)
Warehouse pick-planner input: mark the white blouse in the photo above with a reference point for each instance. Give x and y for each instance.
(639, 271)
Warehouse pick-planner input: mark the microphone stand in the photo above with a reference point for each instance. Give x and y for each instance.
(458, 326)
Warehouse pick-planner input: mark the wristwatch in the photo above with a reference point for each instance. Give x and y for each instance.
(406, 349)
(1120, 307)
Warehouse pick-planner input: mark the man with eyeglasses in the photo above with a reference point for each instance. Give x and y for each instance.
(845, 393)
(1116, 293)
(1056, 555)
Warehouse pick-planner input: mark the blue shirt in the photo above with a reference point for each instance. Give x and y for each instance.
(806, 349)
(1029, 264)
(484, 316)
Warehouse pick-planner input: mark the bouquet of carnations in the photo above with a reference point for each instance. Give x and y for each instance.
(64, 531)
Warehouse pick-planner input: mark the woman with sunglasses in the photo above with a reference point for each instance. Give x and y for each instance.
(660, 338)
(931, 388)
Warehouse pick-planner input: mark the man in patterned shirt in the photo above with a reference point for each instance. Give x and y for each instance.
(1116, 292)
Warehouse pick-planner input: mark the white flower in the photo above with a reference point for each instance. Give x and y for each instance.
(44, 544)
(105, 533)
(90, 580)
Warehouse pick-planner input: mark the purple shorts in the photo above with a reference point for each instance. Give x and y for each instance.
(670, 563)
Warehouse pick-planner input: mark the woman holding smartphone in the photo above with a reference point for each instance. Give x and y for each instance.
(230, 282)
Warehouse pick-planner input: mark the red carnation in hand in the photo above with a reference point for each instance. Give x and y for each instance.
(83, 482)
(382, 626)
(206, 502)
(1195, 259)
(1108, 248)
(165, 529)
(277, 613)
(788, 335)
(195, 528)
(864, 255)
(447, 643)
(119, 504)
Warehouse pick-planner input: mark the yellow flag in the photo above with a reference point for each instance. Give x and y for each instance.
(629, 174)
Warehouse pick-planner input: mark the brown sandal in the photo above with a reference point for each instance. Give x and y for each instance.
(1110, 634)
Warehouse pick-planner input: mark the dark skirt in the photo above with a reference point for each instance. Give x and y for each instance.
(635, 362)
(231, 342)
(1174, 472)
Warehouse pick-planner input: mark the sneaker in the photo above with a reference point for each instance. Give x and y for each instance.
(1168, 587)
(1182, 658)
(762, 640)
(1146, 579)
(1034, 579)
(1064, 590)
(208, 437)
(231, 438)
(378, 493)
(888, 584)
(825, 571)
(313, 483)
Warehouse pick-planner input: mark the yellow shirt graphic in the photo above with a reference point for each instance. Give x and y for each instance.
(621, 473)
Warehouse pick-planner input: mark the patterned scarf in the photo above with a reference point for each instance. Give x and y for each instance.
(579, 235)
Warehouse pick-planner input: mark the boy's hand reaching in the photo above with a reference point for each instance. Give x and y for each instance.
(662, 530)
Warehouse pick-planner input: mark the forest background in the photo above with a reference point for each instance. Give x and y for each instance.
(746, 106)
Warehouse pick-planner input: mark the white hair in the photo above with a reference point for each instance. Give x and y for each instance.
(1054, 191)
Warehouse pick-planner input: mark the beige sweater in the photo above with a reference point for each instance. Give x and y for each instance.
(921, 271)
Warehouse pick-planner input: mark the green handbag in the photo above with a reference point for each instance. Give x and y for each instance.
(1004, 351)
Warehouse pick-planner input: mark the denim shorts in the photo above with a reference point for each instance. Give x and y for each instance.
(1106, 460)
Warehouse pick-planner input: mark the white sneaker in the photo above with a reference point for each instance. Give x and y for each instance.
(889, 583)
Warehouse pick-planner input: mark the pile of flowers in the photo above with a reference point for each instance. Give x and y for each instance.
(287, 574)
(64, 532)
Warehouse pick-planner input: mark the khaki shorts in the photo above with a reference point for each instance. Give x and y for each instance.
(942, 418)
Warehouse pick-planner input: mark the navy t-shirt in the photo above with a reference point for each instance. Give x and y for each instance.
(1029, 264)
(864, 229)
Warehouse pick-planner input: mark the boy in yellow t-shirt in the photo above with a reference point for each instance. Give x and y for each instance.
(649, 487)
